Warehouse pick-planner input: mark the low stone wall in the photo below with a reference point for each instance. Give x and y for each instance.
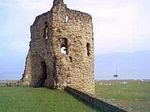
(9, 83)
(97, 103)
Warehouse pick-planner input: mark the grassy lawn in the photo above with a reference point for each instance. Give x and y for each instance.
(17, 99)
(134, 94)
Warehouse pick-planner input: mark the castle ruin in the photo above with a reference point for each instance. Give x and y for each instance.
(61, 50)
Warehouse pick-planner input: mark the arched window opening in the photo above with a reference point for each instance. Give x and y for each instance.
(64, 45)
(88, 49)
(46, 31)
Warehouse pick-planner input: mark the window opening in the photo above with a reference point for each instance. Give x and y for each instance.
(63, 50)
(46, 31)
(64, 46)
(66, 19)
(88, 49)
(70, 59)
(46, 37)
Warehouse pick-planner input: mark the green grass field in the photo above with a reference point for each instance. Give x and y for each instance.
(134, 94)
(17, 99)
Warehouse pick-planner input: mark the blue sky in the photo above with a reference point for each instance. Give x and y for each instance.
(121, 32)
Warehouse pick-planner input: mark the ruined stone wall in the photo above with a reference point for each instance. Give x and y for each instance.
(76, 67)
(100, 104)
(41, 50)
(62, 39)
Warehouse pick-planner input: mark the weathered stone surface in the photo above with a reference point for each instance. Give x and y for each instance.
(61, 50)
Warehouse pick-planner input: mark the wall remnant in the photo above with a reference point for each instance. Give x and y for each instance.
(97, 103)
(61, 50)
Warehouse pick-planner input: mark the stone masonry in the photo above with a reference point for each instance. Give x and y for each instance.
(61, 50)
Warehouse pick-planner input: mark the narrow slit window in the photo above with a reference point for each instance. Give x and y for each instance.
(88, 49)
(66, 19)
(70, 59)
(46, 31)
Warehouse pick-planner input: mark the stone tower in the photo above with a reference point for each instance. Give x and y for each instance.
(61, 50)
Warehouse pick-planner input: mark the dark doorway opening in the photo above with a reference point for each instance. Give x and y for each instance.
(43, 78)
